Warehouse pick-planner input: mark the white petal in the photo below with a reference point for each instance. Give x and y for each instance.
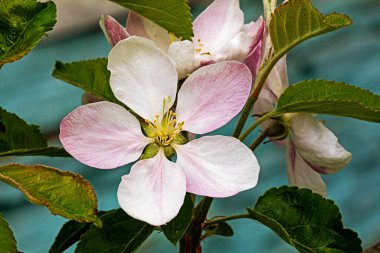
(317, 144)
(213, 95)
(277, 81)
(153, 191)
(217, 166)
(142, 76)
(218, 24)
(301, 174)
(102, 135)
(182, 53)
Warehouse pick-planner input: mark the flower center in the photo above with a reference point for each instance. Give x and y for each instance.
(199, 49)
(166, 129)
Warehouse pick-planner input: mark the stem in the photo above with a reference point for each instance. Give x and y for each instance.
(191, 241)
(259, 140)
(257, 87)
(256, 124)
(227, 218)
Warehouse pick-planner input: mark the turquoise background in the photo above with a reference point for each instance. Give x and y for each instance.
(351, 55)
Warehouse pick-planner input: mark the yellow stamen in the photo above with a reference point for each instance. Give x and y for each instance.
(165, 129)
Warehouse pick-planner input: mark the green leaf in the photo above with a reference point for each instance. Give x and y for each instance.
(305, 220)
(173, 15)
(91, 76)
(297, 20)
(69, 234)
(18, 138)
(22, 25)
(120, 233)
(177, 227)
(221, 228)
(329, 97)
(7, 239)
(64, 193)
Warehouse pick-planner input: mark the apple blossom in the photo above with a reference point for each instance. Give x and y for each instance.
(312, 149)
(106, 135)
(219, 35)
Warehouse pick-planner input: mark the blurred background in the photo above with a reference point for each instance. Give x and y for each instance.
(351, 55)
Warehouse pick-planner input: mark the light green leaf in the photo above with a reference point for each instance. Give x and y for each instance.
(120, 233)
(64, 193)
(173, 15)
(17, 138)
(177, 227)
(305, 220)
(22, 25)
(329, 97)
(7, 239)
(297, 20)
(91, 76)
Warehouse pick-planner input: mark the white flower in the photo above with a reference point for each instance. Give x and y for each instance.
(105, 135)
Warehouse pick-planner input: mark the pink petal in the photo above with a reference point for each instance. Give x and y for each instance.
(253, 60)
(217, 166)
(212, 96)
(140, 26)
(113, 31)
(153, 191)
(135, 25)
(301, 174)
(317, 145)
(142, 76)
(102, 135)
(218, 24)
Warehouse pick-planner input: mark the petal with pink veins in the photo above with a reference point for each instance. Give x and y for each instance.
(142, 83)
(217, 166)
(153, 191)
(301, 174)
(113, 31)
(317, 145)
(102, 135)
(218, 24)
(212, 96)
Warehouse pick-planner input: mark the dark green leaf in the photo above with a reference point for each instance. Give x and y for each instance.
(64, 193)
(69, 234)
(297, 20)
(177, 227)
(22, 25)
(305, 220)
(329, 97)
(221, 228)
(173, 15)
(18, 138)
(91, 76)
(120, 233)
(7, 239)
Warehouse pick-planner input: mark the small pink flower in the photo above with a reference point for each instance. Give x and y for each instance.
(312, 149)
(105, 135)
(219, 35)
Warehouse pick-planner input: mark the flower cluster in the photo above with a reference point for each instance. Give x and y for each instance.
(155, 115)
